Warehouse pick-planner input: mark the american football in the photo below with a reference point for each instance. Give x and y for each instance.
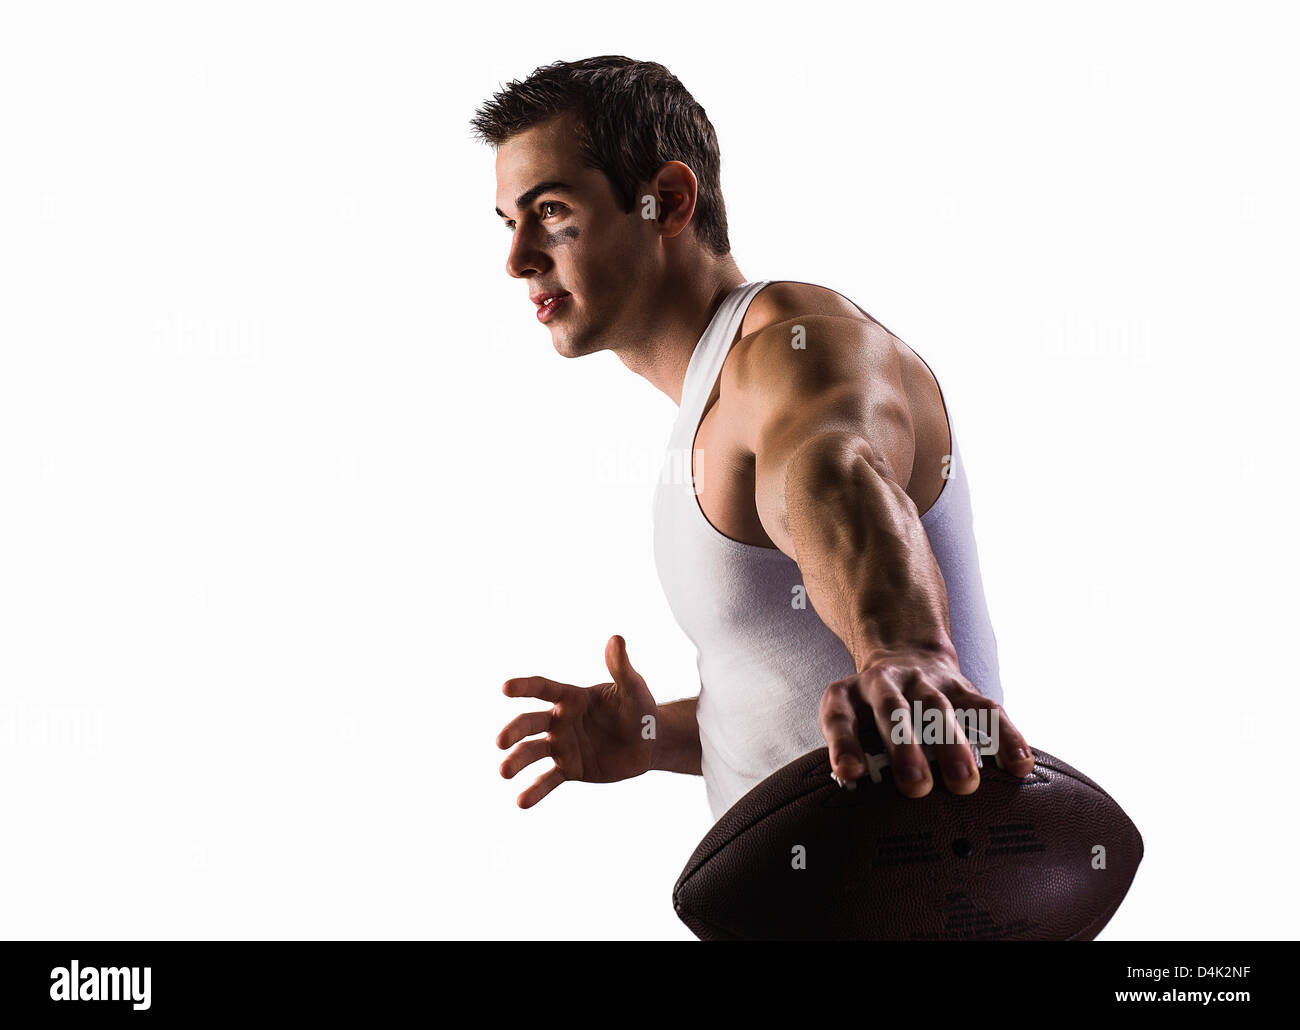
(800, 857)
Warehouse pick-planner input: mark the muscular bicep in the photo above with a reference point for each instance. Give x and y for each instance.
(843, 390)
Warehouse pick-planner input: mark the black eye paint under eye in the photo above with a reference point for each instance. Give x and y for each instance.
(567, 234)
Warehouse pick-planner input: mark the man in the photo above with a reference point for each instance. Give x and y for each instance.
(812, 526)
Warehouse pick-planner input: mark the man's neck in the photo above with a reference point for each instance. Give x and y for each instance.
(685, 305)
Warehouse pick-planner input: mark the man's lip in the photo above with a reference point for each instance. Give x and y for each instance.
(548, 308)
(541, 298)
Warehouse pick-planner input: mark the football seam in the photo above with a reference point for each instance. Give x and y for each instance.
(813, 785)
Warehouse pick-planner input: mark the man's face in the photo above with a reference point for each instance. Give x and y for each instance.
(568, 236)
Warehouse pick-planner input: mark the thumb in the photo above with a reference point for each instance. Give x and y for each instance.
(618, 663)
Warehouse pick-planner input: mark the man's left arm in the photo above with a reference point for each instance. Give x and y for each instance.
(832, 435)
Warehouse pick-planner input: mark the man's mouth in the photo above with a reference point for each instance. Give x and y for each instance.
(548, 304)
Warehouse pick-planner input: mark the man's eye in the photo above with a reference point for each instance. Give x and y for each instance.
(549, 207)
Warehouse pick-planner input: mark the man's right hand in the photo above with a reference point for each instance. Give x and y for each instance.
(598, 734)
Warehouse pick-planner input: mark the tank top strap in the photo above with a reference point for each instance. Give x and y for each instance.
(711, 351)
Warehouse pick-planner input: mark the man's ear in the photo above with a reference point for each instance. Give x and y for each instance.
(675, 190)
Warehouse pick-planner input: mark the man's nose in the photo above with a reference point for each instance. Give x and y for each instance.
(525, 257)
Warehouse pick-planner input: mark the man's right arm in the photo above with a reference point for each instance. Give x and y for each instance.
(677, 738)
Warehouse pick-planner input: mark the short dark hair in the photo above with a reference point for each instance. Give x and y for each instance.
(633, 117)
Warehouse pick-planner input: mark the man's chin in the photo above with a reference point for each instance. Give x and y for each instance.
(568, 345)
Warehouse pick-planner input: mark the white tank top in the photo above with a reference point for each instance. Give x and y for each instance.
(764, 662)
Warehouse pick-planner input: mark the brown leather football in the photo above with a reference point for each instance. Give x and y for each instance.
(1046, 858)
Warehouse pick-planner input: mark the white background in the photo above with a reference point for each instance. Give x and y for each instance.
(292, 480)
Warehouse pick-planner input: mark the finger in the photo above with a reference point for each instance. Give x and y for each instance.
(542, 786)
(953, 751)
(1008, 744)
(907, 760)
(522, 726)
(1013, 751)
(839, 725)
(524, 755)
(618, 663)
(536, 686)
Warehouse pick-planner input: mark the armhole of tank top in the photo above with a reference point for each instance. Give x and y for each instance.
(692, 431)
(944, 491)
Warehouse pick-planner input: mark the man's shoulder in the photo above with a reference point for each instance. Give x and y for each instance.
(783, 300)
(796, 337)
(805, 348)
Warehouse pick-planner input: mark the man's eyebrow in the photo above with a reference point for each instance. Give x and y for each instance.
(529, 195)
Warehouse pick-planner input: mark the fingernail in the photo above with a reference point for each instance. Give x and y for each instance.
(959, 771)
(908, 773)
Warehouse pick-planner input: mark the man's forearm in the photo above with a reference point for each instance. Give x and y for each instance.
(862, 550)
(677, 738)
